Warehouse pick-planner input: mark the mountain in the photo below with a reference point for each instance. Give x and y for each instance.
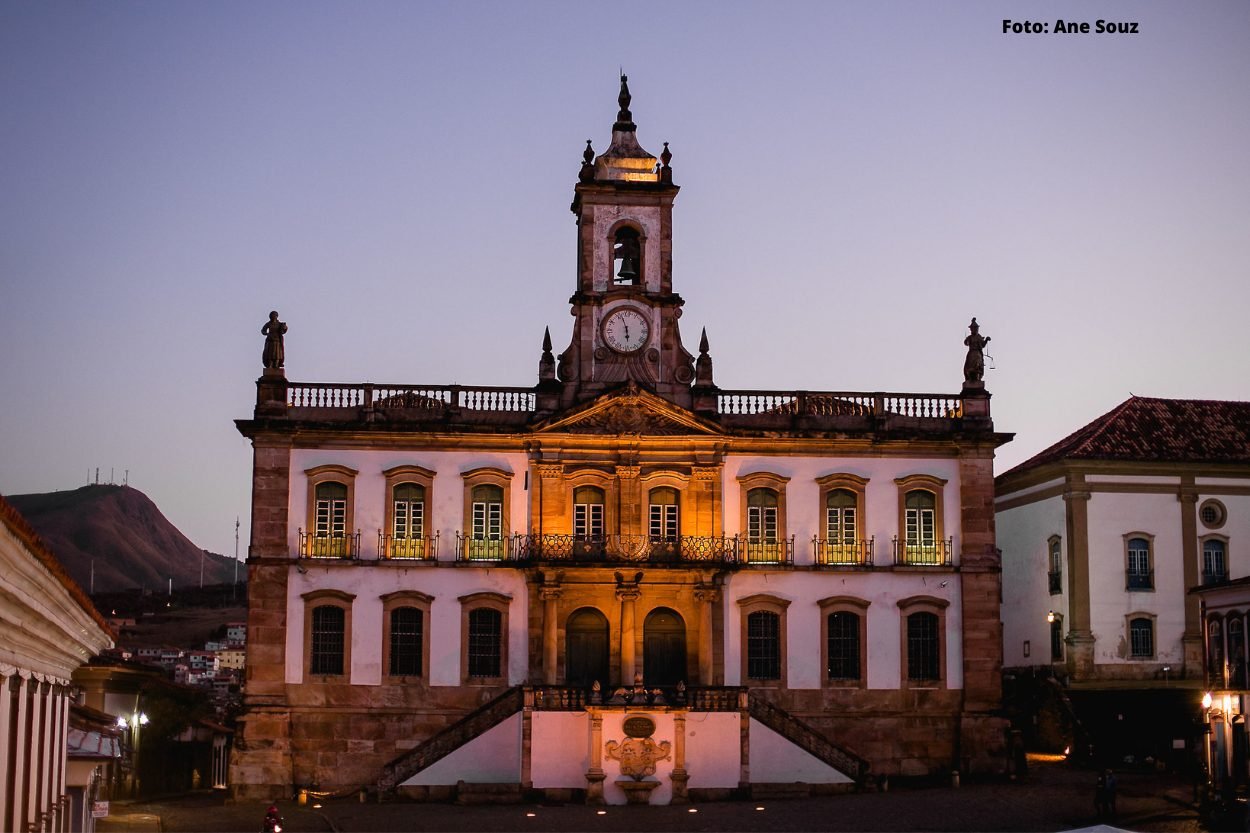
(131, 543)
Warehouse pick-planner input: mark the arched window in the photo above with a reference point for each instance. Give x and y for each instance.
(920, 519)
(841, 526)
(485, 637)
(330, 530)
(1214, 561)
(762, 516)
(1139, 569)
(763, 645)
(923, 647)
(486, 537)
(408, 521)
(1236, 652)
(407, 642)
(329, 631)
(664, 515)
(1141, 638)
(588, 513)
(842, 651)
(1215, 653)
(1054, 575)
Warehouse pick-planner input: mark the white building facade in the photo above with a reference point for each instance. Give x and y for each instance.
(538, 587)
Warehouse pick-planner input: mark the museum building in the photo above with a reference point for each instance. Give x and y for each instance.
(621, 583)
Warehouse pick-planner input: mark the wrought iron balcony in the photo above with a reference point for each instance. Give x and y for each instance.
(1209, 577)
(842, 553)
(927, 554)
(343, 545)
(1054, 581)
(413, 549)
(757, 551)
(1140, 580)
(469, 548)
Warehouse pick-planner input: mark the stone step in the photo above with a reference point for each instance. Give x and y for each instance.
(467, 793)
(795, 789)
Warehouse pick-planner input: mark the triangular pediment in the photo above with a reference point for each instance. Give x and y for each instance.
(629, 410)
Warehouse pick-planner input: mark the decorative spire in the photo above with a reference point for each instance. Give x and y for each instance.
(703, 364)
(624, 118)
(547, 364)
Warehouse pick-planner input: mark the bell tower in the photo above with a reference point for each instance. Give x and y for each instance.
(625, 311)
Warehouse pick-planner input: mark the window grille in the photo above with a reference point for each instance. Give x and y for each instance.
(407, 633)
(328, 632)
(923, 649)
(485, 651)
(764, 645)
(1141, 638)
(843, 646)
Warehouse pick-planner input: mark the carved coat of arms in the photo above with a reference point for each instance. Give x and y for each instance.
(638, 756)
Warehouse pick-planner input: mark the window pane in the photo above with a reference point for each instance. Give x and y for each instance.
(407, 627)
(328, 624)
(764, 646)
(922, 647)
(485, 625)
(1141, 638)
(843, 646)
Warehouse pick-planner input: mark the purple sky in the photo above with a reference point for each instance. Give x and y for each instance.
(394, 178)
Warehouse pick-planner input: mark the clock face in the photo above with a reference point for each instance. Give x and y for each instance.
(626, 330)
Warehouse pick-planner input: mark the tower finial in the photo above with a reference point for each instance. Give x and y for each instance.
(624, 118)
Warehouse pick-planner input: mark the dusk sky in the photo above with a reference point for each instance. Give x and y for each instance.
(858, 181)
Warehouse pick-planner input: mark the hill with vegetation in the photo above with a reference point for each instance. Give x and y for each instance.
(113, 538)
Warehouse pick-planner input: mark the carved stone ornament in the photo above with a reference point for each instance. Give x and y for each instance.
(627, 418)
(638, 756)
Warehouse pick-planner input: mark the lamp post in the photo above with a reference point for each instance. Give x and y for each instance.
(133, 725)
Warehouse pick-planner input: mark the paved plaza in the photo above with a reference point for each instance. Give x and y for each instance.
(1054, 796)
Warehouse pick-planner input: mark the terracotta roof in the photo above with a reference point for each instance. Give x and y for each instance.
(25, 533)
(1142, 429)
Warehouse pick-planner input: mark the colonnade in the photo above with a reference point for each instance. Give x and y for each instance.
(34, 735)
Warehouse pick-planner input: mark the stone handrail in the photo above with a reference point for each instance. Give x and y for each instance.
(807, 738)
(381, 397)
(443, 743)
(839, 403)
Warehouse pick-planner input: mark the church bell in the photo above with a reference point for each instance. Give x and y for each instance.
(629, 269)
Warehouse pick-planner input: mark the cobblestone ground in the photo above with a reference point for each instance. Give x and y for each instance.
(1053, 797)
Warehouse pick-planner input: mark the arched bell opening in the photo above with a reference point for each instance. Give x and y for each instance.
(627, 257)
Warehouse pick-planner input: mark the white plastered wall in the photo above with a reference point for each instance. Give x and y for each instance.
(1023, 535)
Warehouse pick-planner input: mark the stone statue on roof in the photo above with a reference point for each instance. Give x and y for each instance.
(974, 363)
(273, 331)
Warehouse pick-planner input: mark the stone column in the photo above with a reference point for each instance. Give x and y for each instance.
(680, 776)
(1080, 637)
(552, 513)
(595, 775)
(7, 740)
(21, 743)
(706, 491)
(628, 593)
(38, 744)
(707, 596)
(550, 594)
(1192, 638)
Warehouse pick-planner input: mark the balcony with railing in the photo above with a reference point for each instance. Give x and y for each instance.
(341, 546)
(844, 409)
(755, 551)
(842, 553)
(1214, 576)
(1054, 582)
(471, 549)
(924, 554)
(1139, 580)
(404, 548)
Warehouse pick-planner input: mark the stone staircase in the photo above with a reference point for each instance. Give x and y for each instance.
(807, 738)
(443, 743)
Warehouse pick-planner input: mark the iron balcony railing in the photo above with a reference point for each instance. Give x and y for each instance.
(1054, 581)
(926, 554)
(471, 548)
(842, 553)
(412, 549)
(761, 551)
(1214, 577)
(343, 545)
(1140, 580)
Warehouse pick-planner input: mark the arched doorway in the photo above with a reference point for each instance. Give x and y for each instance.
(586, 648)
(663, 648)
